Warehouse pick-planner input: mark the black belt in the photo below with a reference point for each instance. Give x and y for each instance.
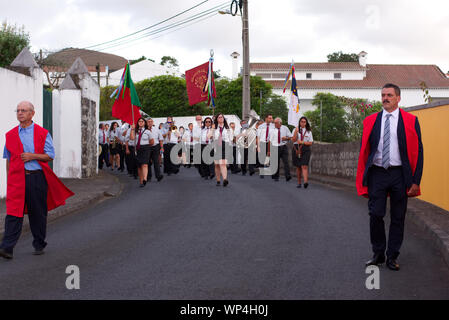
(28, 172)
(389, 168)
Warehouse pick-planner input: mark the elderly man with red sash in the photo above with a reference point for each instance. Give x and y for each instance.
(390, 165)
(32, 187)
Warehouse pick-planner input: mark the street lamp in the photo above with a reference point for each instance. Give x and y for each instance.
(246, 99)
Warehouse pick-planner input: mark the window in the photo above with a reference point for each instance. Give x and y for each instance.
(308, 76)
(337, 75)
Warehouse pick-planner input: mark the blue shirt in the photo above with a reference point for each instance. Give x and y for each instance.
(27, 137)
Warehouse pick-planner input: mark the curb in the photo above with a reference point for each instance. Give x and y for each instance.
(440, 238)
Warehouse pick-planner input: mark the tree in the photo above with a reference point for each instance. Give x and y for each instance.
(12, 41)
(334, 127)
(106, 103)
(169, 62)
(342, 57)
(139, 59)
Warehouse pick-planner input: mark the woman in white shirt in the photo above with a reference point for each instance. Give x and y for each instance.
(302, 142)
(222, 136)
(114, 143)
(143, 142)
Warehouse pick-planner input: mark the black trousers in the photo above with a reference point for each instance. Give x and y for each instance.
(122, 152)
(206, 170)
(381, 183)
(131, 162)
(104, 156)
(260, 154)
(245, 165)
(282, 154)
(234, 167)
(169, 167)
(36, 204)
(154, 160)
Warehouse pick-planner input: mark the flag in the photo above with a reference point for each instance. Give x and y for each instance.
(293, 109)
(198, 82)
(127, 102)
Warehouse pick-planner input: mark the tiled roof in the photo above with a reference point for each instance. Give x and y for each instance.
(405, 76)
(66, 57)
(280, 66)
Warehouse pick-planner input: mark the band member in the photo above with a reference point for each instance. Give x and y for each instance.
(122, 149)
(130, 154)
(114, 143)
(279, 137)
(154, 151)
(197, 144)
(173, 139)
(246, 141)
(222, 136)
(206, 139)
(103, 144)
(32, 187)
(263, 139)
(188, 143)
(390, 164)
(234, 166)
(143, 141)
(302, 145)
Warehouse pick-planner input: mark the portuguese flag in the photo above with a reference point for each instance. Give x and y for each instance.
(127, 103)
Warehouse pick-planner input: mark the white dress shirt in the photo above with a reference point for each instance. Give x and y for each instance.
(274, 136)
(155, 134)
(131, 143)
(205, 135)
(395, 157)
(308, 137)
(262, 132)
(197, 133)
(146, 136)
(102, 135)
(226, 134)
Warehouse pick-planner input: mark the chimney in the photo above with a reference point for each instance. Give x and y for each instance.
(362, 58)
(234, 56)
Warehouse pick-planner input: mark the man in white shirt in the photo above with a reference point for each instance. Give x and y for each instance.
(130, 154)
(196, 142)
(278, 138)
(103, 143)
(263, 139)
(154, 151)
(234, 167)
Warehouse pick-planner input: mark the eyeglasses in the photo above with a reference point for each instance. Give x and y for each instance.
(21, 110)
(207, 122)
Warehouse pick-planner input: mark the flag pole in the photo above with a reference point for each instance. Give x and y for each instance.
(132, 108)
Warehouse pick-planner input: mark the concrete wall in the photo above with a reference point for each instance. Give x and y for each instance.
(16, 87)
(67, 133)
(434, 120)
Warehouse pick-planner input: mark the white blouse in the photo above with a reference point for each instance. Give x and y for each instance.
(145, 139)
(226, 135)
(308, 137)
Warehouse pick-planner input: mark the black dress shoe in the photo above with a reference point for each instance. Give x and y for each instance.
(144, 182)
(298, 186)
(306, 185)
(212, 176)
(251, 173)
(218, 183)
(392, 264)
(377, 259)
(38, 252)
(288, 178)
(5, 254)
(225, 183)
(160, 178)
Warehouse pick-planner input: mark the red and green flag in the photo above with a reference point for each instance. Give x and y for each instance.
(127, 104)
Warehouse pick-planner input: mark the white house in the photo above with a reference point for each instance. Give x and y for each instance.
(142, 70)
(355, 80)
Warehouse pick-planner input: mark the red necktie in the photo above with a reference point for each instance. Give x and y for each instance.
(220, 140)
(207, 138)
(266, 136)
(138, 140)
(279, 136)
(191, 136)
(103, 138)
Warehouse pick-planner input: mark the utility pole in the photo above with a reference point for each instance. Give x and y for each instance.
(321, 121)
(98, 73)
(246, 99)
(260, 115)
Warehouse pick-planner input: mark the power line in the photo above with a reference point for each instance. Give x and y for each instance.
(208, 12)
(152, 26)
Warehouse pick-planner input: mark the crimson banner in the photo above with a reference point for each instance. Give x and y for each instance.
(196, 80)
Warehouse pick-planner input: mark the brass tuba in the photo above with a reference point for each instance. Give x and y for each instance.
(248, 136)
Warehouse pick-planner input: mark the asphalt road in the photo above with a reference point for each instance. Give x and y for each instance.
(185, 238)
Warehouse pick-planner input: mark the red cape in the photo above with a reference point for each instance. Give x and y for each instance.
(57, 192)
(411, 141)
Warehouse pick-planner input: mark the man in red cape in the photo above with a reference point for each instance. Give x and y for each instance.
(32, 186)
(390, 165)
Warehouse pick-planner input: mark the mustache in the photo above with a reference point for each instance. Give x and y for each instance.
(386, 101)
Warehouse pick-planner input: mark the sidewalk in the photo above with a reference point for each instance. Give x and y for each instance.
(431, 219)
(87, 192)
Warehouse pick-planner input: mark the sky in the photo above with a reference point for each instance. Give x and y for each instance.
(391, 32)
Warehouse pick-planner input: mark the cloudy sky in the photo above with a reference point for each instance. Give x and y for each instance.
(392, 32)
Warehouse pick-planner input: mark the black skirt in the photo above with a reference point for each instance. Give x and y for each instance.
(305, 156)
(143, 154)
(223, 147)
(113, 151)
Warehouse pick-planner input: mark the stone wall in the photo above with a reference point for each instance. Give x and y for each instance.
(88, 138)
(337, 159)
